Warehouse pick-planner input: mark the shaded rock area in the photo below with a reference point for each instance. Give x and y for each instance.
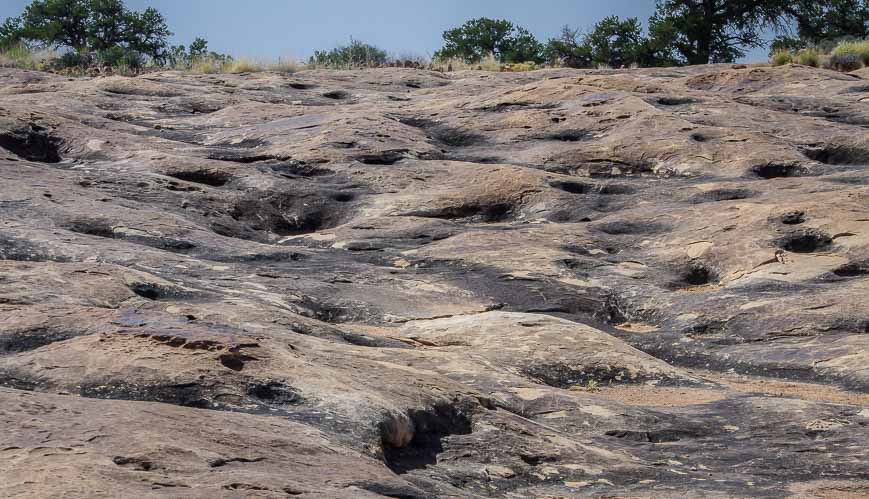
(402, 283)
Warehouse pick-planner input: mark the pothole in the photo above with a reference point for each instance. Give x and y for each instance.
(489, 213)
(447, 135)
(414, 440)
(383, 158)
(288, 213)
(718, 195)
(837, 155)
(793, 217)
(32, 143)
(90, 227)
(675, 101)
(657, 436)
(274, 393)
(570, 135)
(778, 170)
(631, 227)
(337, 95)
(853, 269)
(210, 178)
(240, 157)
(696, 274)
(805, 241)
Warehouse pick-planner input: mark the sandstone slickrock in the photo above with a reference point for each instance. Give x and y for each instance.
(402, 283)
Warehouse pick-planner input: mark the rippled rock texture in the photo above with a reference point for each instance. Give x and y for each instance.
(399, 283)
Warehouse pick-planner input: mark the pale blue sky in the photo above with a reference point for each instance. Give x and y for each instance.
(285, 28)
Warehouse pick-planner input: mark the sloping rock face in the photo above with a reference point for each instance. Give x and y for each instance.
(399, 283)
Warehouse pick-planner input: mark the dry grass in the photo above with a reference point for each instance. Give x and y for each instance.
(781, 57)
(846, 56)
(488, 63)
(246, 65)
(858, 49)
(26, 58)
(808, 57)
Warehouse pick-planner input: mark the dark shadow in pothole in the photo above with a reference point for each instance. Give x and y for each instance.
(486, 213)
(805, 241)
(777, 170)
(430, 428)
(385, 158)
(695, 273)
(32, 143)
(795, 217)
(274, 393)
(837, 155)
(656, 436)
(445, 134)
(632, 227)
(853, 269)
(718, 195)
(337, 95)
(569, 135)
(212, 178)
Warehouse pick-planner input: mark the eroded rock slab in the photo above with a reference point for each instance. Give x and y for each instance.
(404, 283)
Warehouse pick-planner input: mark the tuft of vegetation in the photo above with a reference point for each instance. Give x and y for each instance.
(853, 49)
(845, 62)
(782, 57)
(809, 57)
(24, 57)
(357, 54)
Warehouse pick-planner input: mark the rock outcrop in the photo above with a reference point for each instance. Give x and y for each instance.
(403, 283)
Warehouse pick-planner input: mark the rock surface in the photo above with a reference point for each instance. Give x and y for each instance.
(401, 283)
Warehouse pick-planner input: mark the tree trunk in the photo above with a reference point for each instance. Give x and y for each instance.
(704, 42)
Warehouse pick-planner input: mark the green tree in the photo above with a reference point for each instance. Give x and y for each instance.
(819, 21)
(478, 38)
(57, 23)
(10, 32)
(107, 23)
(704, 31)
(102, 26)
(616, 43)
(148, 33)
(198, 49)
(568, 50)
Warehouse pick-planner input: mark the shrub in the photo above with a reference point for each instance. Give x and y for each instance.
(205, 66)
(523, 66)
(120, 57)
(242, 65)
(24, 57)
(72, 60)
(781, 58)
(846, 62)
(356, 54)
(857, 49)
(808, 57)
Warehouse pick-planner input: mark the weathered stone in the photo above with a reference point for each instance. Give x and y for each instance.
(406, 283)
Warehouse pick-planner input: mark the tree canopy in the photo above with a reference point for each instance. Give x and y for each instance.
(679, 32)
(478, 38)
(818, 22)
(89, 26)
(704, 31)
